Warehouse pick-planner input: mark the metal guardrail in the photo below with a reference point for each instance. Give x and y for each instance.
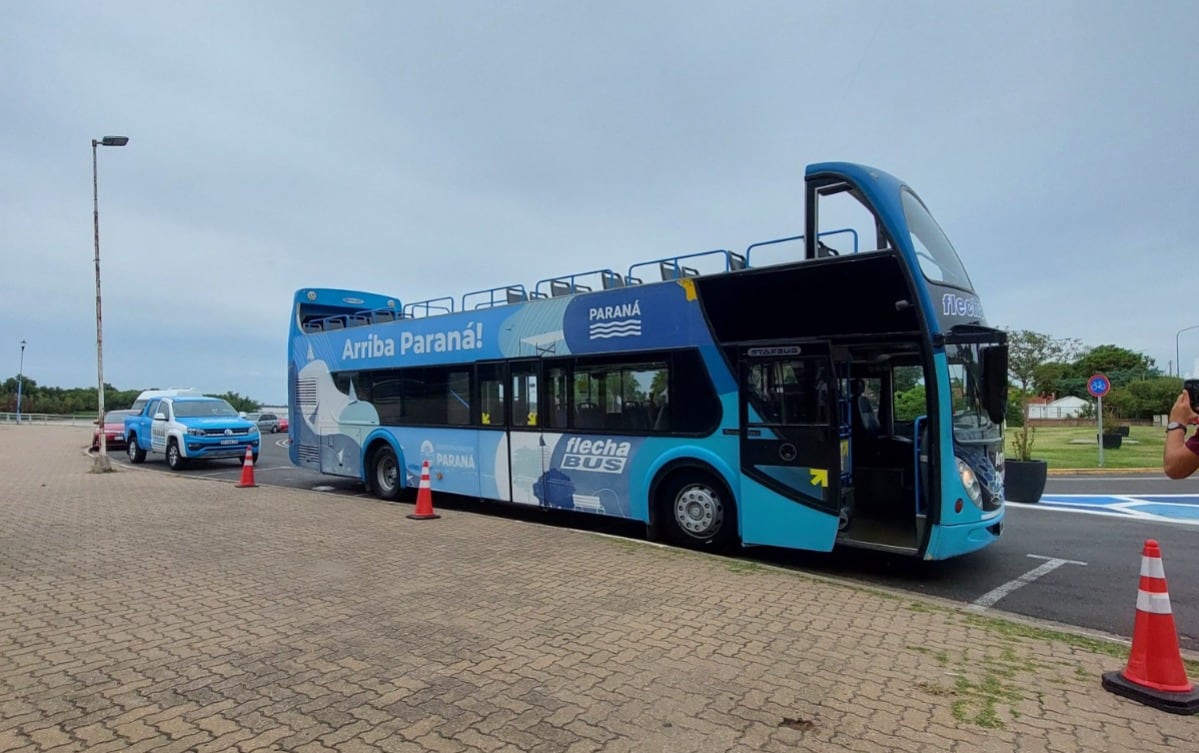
(48, 419)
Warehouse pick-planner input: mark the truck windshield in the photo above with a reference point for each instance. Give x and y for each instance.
(204, 409)
(971, 424)
(938, 261)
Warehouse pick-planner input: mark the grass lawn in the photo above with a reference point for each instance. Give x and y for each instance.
(1077, 447)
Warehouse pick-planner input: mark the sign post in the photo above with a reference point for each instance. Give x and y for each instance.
(1099, 385)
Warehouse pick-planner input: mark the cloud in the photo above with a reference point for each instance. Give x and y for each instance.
(424, 150)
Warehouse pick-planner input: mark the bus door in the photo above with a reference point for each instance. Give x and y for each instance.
(491, 406)
(530, 451)
(790, 429)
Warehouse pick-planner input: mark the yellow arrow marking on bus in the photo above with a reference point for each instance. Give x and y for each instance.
(688, 286)
(819, 476)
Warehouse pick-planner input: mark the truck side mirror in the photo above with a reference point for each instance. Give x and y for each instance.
(160, 416)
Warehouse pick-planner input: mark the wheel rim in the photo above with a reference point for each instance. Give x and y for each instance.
(130, 451)
(386, 473)
(698, 511)
(173, 456)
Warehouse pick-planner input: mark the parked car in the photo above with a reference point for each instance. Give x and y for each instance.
(114, 430)
(267, 422)
(283, 424)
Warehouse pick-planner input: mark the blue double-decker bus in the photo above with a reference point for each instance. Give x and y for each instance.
(838, 386)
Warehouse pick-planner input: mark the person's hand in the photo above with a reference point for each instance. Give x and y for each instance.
(1181, 411)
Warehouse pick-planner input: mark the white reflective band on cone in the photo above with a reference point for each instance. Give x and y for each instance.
(1152, 567)
(1153, 603)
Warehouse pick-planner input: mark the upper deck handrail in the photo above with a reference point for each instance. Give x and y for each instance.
(751, 247)
(569, 284)
(432, 304)
(671, 269)
(510, 294)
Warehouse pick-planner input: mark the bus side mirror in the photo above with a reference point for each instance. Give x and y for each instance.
(994, 386)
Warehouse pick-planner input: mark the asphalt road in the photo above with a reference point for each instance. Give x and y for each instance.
(1078, 569)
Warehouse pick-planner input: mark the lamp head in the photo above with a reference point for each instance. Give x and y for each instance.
(111, 141)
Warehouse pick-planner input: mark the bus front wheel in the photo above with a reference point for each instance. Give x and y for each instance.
(385, 474)
(698, 512)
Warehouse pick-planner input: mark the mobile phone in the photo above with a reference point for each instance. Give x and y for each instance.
(1192, 388)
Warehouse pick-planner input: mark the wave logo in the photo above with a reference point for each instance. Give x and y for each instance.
(623, 320)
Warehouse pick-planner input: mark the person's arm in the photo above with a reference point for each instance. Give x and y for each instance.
(1178, 459)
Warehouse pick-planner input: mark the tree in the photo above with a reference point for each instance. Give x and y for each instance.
(910, 403)
(1027, 351)
(1120, 365)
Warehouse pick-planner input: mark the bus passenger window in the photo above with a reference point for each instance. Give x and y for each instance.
(457, 409)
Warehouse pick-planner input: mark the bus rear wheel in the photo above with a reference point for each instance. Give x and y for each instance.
(698, 512)
(385, 474)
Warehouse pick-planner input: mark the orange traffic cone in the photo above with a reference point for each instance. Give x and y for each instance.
(247, 470)
(1155, 674)
(424, 497)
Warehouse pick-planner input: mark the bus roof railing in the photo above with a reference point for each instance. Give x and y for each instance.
(580, 282)
(501, 296)
(825, 234)
(431, 307)
(672, 268)
(668, 268)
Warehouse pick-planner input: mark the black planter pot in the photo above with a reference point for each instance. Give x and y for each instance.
(1122, 430)
(1024, 480)
(1111, 441)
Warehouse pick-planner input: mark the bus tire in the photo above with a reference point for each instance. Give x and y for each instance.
(136, 453)
(697, 511)
(385, 473)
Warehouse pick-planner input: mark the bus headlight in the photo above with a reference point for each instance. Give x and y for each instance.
(970, 481)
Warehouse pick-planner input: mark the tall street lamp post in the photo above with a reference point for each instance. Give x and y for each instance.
(101, 463)
(1177, 361)
(20, 378)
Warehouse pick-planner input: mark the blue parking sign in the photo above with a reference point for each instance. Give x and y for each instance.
(1098, 385)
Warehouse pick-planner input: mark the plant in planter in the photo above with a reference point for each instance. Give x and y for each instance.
(1025, 476)
(1114, 430)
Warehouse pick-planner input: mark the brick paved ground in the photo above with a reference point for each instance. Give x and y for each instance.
(141, 611)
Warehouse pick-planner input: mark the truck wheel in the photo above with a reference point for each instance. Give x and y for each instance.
(385, 474)
(699, 513)
(175, 459)
(136, 454)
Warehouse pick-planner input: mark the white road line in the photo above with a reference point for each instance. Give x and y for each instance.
(1047, 505)
(988, 599)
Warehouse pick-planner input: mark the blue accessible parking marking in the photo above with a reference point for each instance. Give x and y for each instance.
(1177, 508)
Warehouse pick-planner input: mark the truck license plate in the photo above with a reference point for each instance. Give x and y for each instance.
(228, 441)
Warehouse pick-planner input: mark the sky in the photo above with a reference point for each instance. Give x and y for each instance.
(428, 149)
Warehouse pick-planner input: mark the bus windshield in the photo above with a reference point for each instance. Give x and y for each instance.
(971, 423)
(938, 261)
